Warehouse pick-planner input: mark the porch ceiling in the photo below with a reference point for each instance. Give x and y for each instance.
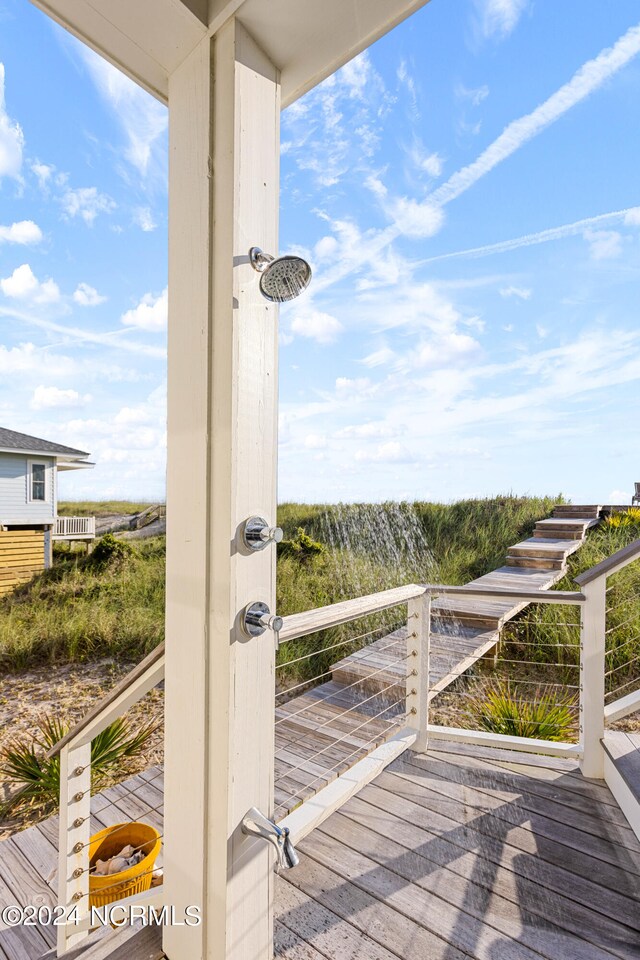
(307, 41)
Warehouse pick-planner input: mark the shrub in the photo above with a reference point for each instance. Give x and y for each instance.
(110, 551)
(544, 716)
(24, 761)
(302, 546)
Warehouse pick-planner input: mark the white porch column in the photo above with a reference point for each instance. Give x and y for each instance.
(224, 107)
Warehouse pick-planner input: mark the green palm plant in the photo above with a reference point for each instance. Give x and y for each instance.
(544, 716)
(24, 761)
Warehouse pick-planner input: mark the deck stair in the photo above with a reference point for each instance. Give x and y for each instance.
(465, 628)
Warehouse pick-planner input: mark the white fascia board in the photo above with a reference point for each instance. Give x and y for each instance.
(306, 42)
(74, 465)
(146, 39)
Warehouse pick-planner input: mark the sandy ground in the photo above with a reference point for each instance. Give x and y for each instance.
(68, 692)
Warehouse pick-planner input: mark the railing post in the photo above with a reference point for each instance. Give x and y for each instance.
(418, 640)
(592, 645)
(74, 833)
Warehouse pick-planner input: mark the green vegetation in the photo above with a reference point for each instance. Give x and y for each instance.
(80, 610)
(499, 708)
(111, 603)
(549, 634)
(100, 508)
(23, 761)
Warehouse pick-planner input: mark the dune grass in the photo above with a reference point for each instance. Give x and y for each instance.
(81, 610)
(100, 508)
(550, 634)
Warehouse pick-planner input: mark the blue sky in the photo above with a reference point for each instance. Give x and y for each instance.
(467, 194)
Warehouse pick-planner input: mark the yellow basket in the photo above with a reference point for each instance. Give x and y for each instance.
(110, 841)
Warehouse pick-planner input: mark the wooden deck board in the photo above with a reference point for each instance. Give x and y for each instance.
(449, 855)
(399, 871)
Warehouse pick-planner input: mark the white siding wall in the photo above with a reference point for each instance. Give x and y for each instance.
(15, 506)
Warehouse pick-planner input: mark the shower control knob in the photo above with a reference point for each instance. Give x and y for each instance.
(257, 533)
(258, 618)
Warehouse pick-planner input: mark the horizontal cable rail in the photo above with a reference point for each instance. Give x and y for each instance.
(610, 565)
(621, 634)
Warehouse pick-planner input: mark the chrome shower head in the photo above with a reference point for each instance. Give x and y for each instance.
(281, 278)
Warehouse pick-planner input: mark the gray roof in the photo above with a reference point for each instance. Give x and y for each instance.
(12, 440)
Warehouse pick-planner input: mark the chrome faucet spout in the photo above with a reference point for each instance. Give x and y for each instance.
(255, 824)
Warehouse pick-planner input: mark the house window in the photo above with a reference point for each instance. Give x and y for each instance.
(38, 491)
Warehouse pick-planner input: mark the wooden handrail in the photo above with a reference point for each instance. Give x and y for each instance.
(622, 707)
(611, 564)
(93, 721)
(506, 593)
(302, 624)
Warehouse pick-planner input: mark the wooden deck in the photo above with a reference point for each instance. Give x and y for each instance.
(316, 739)
(465, 852)
(465, 628)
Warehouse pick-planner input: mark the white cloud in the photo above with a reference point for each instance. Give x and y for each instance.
(24, 285)
(116, 340)
(604, 244)
(11, 139)
(87, 203)
(523, 293)
(415, 219)
(27, 358)
(24, 232)
(325, 248)
(150, 314)
(46, 398)
(474, 95)
(628, 216)
(88, 296)
(499, 17)
(442, 351)
(337, 126)
(354, 389)
(619, 497)
(370, 430)
(315, 441)
(542, 331)
(142, 117)
(318, 326)
(391, 452)
(429, 162)
(379, 357)
(43, 172)
(143, 217)
(588, 78)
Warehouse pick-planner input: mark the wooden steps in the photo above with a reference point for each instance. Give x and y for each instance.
(466, 628)
(316, 740)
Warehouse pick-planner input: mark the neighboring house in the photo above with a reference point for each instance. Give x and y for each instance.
(29, 504)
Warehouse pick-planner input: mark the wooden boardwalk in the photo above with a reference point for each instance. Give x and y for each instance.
(465, 628)
(326, 730)
(465, 852)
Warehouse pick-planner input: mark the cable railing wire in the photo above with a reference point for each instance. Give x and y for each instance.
(343, 689)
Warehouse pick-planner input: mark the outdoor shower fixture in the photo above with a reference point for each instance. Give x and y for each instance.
(257, 618)
(281, 278)
(257, 533)
(255, 824)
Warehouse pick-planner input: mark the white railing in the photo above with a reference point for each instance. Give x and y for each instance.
(74, 528)
(411, 726)
(75, 802)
